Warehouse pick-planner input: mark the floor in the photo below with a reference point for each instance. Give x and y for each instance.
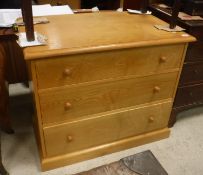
(180, 154)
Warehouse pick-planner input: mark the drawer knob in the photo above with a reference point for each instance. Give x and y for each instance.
(67, 72)
(69, 138)
(162, 59)
(151, 119)
(157, 89)
(67, 106)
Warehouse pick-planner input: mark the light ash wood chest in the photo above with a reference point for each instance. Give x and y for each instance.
(105, 82)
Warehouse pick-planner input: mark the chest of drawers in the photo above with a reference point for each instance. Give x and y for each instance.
(102, 88)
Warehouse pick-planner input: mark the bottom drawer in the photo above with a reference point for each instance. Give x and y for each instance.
(189, 95)
(106, 128)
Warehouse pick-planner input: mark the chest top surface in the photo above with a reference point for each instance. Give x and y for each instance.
(71, 34)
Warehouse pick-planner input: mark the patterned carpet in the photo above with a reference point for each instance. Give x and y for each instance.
(144, 163)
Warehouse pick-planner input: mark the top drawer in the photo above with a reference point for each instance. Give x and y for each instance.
(82, 68)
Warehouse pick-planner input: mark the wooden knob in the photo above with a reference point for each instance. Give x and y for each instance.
(69, 138)
(157, 89)
(163, 59)
(67, 72)
(67, 106)
(151, 119)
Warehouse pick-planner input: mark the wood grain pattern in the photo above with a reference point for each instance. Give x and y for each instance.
(97, 66)
(37, 122)
(106, 96)
(99, 32)
(66, 159)
(106, 90)
(108, 128)
(189, 92)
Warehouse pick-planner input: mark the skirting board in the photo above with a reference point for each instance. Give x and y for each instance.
(101, 150)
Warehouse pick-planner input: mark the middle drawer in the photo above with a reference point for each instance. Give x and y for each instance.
(73, 102)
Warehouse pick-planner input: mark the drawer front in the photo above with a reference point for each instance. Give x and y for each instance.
(73, 102)
(191, 73)
(105, 65)
(189, 95)
(108, 128)
(194, 52)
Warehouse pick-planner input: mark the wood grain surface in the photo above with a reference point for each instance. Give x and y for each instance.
(104, 82)
(100, 31)
(106, 96)
(97, 151)
(82, 68)
(106, 128)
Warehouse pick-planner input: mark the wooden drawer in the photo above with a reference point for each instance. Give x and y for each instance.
(195, 52)
(189, 95)
(74, 136)
(75, 69)
(72, 102)
(191, 73)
